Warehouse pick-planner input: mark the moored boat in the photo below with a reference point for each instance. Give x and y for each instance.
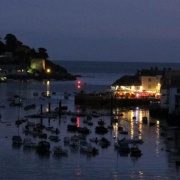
(54, 138)
(43, 148)
(88, 148)
(58, 150)
(17, 140)
(27, 143)
(132, 141)
(135, 151)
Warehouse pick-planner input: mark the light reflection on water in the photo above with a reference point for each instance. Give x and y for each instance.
(155, 162)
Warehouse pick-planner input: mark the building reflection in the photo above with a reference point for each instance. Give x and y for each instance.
(48, 88)
(131, 120)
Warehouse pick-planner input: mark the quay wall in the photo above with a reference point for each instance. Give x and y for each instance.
(111, 102)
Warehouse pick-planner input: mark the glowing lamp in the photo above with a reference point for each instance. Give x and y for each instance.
(48, 70)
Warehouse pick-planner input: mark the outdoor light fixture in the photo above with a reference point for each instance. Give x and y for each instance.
(48, 70)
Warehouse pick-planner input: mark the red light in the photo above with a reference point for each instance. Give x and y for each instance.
(78, 122)
(78, 84)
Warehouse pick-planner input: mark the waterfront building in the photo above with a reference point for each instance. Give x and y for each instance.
(170, 95)
(170, 91)
(38, 64)
(145, 83)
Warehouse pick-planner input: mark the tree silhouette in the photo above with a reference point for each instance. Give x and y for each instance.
(2, 47)
(42, 53)
(12, 43)
(20, 51)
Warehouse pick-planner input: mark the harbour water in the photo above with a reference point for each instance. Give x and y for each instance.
(157, 160)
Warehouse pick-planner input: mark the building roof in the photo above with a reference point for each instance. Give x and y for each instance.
(128, 80)
(150, 72)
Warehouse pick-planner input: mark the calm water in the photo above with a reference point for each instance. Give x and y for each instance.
(18, 163)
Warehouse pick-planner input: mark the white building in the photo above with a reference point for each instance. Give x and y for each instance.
(170, 95)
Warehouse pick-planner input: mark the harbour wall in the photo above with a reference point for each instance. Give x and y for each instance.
(107, 101)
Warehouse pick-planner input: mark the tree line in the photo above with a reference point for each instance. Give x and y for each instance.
(20, 52)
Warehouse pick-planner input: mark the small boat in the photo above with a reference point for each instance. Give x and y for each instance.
(124, 148)
(58, 150)
(66, 96)
(81, 136)
(54, 138)
(20, 121)
(17, 140)
(114, 120)
(74, 143)
(87, 148)
(120, 128)
(95, 114)
(67, 140)
(110, 127)
(90, 123)
(101, 122)
(145, 120)
(152, 123)
(104, 143)
(43, 148)
(73, 119)
(132, 141)
(85, 121)
(95, 140)
(56, 130)
(52, 129)
(101, 130)
(27, 142)
(89, 117)
(31, 106)
(123, 132)
(135, 151)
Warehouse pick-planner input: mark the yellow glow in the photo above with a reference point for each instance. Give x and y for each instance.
(48, 70)
(43, 64)
(48, 88)
(47, 109)
(115, 130)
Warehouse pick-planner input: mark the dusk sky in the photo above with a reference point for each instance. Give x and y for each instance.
(96, 30)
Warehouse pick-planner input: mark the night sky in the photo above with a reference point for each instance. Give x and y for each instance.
(96, 30)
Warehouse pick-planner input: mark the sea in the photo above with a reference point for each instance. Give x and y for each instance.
(159, 155)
